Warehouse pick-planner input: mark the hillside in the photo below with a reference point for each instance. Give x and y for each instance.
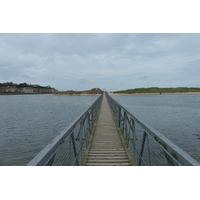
(159, 90)
(24, 88)
(93, 91)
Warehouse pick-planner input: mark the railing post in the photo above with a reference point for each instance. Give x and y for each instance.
(88, 125)
(142, 147)
(119, 117)
(74, 148)
(91, 117)
(134, 139)
(127, 128)
(149, 150)
(123, 126)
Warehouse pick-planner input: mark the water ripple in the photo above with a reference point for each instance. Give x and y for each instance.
(29, 122)
(175, 116)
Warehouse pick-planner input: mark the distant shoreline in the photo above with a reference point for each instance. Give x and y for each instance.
(176, 93)
(110, 93)
(11, 94)
(76, 94)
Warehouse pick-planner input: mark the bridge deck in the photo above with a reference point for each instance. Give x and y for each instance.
(106, 148)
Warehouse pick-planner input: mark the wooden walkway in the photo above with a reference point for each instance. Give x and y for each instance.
(106, 148)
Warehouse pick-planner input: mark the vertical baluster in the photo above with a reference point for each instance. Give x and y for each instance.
(80, 138)
(83, 136)
(115, 111)
(127, 129)
(119, 116)
(84, 131)
(86, 128)
(134, 138)
(142, 147)
(69, 151)
(124, 124)
(81, 129)
(128, 132)
(88, 125)
(90, 121)
(149, 150)
(92, 117)
(74, 148)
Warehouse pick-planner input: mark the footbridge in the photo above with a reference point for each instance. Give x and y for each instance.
(107, 134)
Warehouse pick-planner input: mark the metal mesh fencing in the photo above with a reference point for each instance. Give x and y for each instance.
(68, 147)
(148, 147)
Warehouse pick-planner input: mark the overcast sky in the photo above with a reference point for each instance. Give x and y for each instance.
(112, 61)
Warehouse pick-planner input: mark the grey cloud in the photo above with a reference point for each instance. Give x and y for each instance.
(143, 77)
(83, 81)
(123, 82)
(69, 60)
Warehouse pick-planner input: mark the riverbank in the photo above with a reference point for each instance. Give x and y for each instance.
(176, 93)
(24, 93)
(64, 94)
(92, 92)
(156, 90)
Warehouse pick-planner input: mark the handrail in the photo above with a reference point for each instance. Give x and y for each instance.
(148, 146)
(67, 148)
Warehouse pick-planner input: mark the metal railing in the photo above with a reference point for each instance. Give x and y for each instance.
(68, 147)
(148, 147)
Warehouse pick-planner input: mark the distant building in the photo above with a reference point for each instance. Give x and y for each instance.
(8, 89)
(28, 90)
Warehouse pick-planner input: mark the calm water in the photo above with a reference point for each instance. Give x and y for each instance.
(29, 122)
(175, 116)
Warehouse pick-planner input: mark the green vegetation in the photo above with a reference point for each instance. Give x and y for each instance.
(159, 90)
(22, 85)
(24, 88)
(72, 92)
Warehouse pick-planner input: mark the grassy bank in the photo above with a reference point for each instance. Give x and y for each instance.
(158, 90)
(93, 91)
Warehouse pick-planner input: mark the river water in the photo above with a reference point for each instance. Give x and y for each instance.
(29, 122)
(175, 116)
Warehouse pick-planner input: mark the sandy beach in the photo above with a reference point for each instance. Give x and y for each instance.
(77, 94)
(124, 94)
(177, 93)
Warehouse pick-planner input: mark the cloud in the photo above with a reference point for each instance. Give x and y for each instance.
(83, 81)
(76, 61)
(143, 77)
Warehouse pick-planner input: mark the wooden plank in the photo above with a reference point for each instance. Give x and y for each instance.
(102, 159)
(107, 154)
(107, 151)
(108, 164)
(107, 148)
(109, 161)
